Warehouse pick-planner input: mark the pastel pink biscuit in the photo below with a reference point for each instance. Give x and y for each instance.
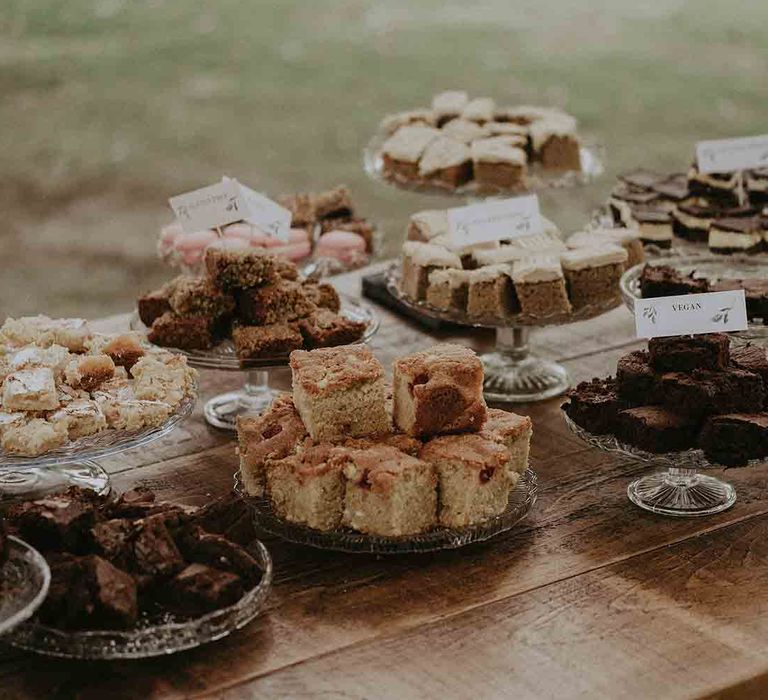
(345, 246)
(293, 251)
(199, 240)
(229, 244)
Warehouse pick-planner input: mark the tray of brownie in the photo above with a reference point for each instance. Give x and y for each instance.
(135, 577)
(349, 463)
(24, 580)
(472, 146)
(247, 313)
(685, 404)
(699, 274)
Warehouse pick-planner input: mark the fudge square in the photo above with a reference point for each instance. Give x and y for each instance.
(389, 492)
(439, 390)
(339, 392)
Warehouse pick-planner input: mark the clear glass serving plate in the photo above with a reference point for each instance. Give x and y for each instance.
(513, 374)
(680, 490)
(256, 395)
(592, 166)
(521, 500)
(24, 581)
(711, 267)
(153, 636)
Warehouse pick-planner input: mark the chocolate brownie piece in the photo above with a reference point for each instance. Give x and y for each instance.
(733, 439)
(324, 328)
(112, 541)
(215, 550)
(656, 429)
(253, 342)
(635, 377)
(279, 302)
(154, 304)
(752, 358)
(228, 515)
(154, 550)
(686, 353)
(705, 392)
(199, 589)
(595, 405)
(323, 295)
(185, 333)
(665, 281)
(755, 292)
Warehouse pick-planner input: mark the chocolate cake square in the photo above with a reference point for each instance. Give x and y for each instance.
(278, 302)
(595, 405)
(656, 429)
(752, 358)
(705, 392)
(686, 353)
(665, 281)
(734, 439)
(635, 377)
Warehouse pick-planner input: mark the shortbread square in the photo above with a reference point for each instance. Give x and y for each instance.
(439, 390)
(389, 492)
(30, 390)
(34, 437)
(81, 417)
(30, 356)
(339, 392)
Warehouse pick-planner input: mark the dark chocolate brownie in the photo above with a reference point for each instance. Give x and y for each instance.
(665, 281)
(733, 439)
(594, 405)
(656, 429)
(752, 358)
(705, 392)
(185, 333)
(686, 353)
(199, 589)
(635, 377)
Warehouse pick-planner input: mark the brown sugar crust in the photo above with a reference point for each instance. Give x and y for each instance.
(323, 295)
(471, 449)
(252, 342)
(238, 269)
(328, 369)
(324, 328)
(505, 425)
(278, 302)
(379, 466)
(125, 350)
(200, 297)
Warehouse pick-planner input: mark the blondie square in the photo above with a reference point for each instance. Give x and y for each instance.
(491, 294)
(277, 302)
(389, 492)
(339, 392)
(275, 434)
(34, 437)
(514, 432)
(254, 342)
(194, 296)
(592, 274)
(419, 260)
(473, 475)
(185, 333)
(439, 390)
(81, 417)
(239, 269)
(30, 390)
(135, 414)
(323, 328)
(308, 488)
(689, 352)
(322, 294)
(540, 286)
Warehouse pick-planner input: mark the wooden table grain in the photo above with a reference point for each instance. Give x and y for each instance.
(588, 597)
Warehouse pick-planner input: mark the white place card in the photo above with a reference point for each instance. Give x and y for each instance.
(691, 314)
(494, 220)
(226, 202)
(727, 155)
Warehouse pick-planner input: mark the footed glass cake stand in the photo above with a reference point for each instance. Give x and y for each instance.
(256, 395)
(513, 374)
(680, 490)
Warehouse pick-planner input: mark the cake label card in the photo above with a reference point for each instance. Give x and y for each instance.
(227, 202)
(727, 155)
(691, 314)
(494, 220)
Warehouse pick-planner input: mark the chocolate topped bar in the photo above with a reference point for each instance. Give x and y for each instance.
(641, 178)
(736, 235)
(689, 352)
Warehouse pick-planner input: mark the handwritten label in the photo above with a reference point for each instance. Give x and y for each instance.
(494, 220)
(727, 155)
(691, 314)
(226, 202)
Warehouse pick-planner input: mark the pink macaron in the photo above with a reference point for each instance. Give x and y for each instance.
(344, 246)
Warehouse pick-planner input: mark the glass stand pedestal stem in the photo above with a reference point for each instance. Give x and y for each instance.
(254, 398)
(23, 483)
(514, 375)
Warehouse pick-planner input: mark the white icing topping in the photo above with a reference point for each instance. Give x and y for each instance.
(537, 268)
(449, 103)
(443, 153)
(464, 130)
(430, 222)
(409, 142)
(480, 109)
(583, 258)
(498, 149)
(541, 131)
(427, 254)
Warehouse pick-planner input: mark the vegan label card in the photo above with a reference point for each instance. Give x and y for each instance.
(691, 314)
(727, 155)
(494, 220)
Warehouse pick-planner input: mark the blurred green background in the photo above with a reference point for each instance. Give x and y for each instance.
(110, 106)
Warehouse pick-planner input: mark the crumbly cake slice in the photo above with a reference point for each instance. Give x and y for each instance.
(278, 302)
(168, 381)
(322, 294)
(514, 432)
(540, 286)
(30, 390)
(439, 390)
(125, 350)
(154, 304)
(339, 392)
(56, 357)
(239, 269)
(388, 492)
(193, 296)
(137, 414)
(81, 417)
(88, 372)
(592, 274)
(184, 332)
(323, 328)
(255, 342)
(34, 437)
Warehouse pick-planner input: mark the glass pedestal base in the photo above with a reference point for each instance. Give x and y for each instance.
(514, 375)
(21, 484)
(254, 398)
(681, 493)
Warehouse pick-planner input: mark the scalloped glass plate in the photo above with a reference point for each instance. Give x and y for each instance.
(583, 314)
(708, 266)
(24, 581)
(592, 162)
(521, 500)
(223, 356)
(104, 444)
(152, 637)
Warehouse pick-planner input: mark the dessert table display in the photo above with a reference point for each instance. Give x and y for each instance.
(585, 581)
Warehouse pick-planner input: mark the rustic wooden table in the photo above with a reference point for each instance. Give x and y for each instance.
(587, 597)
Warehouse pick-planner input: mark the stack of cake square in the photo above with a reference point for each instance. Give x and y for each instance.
(347, 450)
(256, 298)
(683, 392)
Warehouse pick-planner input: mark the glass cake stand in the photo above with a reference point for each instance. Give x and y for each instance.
(711, 267)
(157, 635)
(680, 490)
(256, 395)
(513, 374)
(592, 166)
(24, 581)
(23, 478)
(521, 499)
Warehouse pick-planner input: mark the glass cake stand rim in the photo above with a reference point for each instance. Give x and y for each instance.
(154, 639)
(590, 149)
(21, 551)
(524, 493)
